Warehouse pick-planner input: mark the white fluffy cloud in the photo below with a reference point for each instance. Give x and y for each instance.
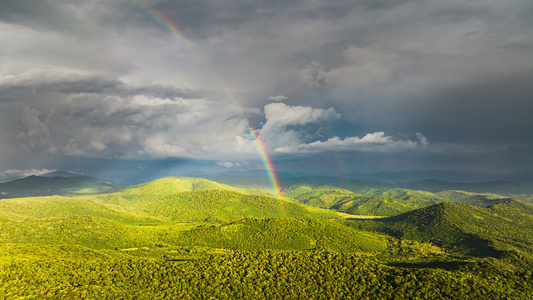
(378, 142)
(284, 115)
(375, 142)
(278, 98)
(280, 116)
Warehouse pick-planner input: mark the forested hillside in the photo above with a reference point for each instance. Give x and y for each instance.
(190, 238)
(502, 230)
(391, 201)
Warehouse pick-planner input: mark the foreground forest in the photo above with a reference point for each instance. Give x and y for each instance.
(190, 238)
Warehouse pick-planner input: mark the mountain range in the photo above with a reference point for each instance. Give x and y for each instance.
(183, 237)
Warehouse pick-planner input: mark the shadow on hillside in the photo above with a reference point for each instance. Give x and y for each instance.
(446, 265)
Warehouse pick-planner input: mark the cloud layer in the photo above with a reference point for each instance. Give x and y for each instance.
(435, 81)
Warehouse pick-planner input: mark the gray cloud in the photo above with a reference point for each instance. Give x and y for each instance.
(108, 80)
(15, 88)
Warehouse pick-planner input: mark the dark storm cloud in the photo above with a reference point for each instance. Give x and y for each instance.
(67, 16)
(92, 85)
(428, 83)
(67, 115)
(33, 13)
(487, 112)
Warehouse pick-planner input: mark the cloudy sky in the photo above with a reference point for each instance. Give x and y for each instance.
(330, 87)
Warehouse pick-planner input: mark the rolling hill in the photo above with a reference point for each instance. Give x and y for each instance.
(181, 238)
(286, 234)
(88, 231)
(375, 200)
(61, 207)
(183, 199)
(502, 230)
(482, 200)
(348, 202)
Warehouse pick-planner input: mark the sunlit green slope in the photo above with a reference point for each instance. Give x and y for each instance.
(482, 200)
(252, 275)
(286, 234)
(381, 203)
(500, 230)
(182, 238)
(386, 202)
(403, 194)
(57, 207)
(246, 234)
(182, 199)
(92, 232)
(173, 185)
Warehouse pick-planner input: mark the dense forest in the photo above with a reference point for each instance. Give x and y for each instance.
(190, 238)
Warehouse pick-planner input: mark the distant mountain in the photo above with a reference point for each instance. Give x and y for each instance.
(50, 174)
(55, 183)
(524, 181)
(387, 177)
(258, 179)
(502, 187)
(416, 175)
(430, 181)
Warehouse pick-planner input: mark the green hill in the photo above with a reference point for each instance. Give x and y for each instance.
(387, 202)
(499, 230)
(88, 231)
(188, 238)
(176, 184)
(355, 186)
(404, 194)
(182, 199)
(286, 234)
(320, 196)
(482, 200)
(58, 207)
(342, 200)
(377, 206)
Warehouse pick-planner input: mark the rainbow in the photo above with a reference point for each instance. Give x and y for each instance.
(167, 23)
(262, 150)
(164, 21)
